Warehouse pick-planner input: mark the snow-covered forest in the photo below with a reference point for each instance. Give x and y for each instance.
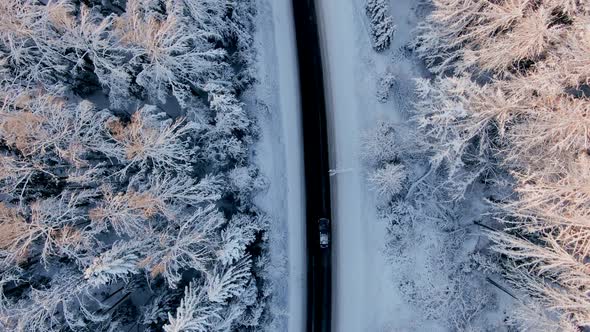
(125, 173)
(136, 138)
(484, 187)
(382, 27)
(516, 98)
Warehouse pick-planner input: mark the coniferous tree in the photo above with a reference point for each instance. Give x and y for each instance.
(382, 25)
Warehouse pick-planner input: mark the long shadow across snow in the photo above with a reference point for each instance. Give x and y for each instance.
(315, 150)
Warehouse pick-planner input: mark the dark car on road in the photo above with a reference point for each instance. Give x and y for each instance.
(324, 227)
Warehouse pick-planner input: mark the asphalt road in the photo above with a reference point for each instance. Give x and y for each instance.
(316, 164)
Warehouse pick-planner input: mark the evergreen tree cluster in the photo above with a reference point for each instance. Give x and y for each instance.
(125, 176)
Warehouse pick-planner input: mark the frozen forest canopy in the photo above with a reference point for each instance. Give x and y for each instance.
(125, 176)
(511, 96)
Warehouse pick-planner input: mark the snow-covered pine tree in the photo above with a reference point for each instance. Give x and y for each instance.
(384, 86)
(388, 181)
(379, 144)
(382, 25)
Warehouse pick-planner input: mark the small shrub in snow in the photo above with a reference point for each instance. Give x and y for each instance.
(483, 263)
(388, 181)
(384, 87)
(379, 144)
(382, 26)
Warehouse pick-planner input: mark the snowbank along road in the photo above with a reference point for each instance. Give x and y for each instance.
(363, 294)
(280, 156)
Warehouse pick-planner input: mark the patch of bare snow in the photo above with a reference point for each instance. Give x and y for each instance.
(280, 158)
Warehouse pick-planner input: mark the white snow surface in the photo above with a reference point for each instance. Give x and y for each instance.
(279, 155)
(365, 297)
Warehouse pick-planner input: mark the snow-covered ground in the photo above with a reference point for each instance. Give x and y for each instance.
(365, 296)
(280, 157)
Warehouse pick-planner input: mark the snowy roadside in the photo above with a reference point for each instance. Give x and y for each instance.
(280, 158)
(432, 244)
(365, 297)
